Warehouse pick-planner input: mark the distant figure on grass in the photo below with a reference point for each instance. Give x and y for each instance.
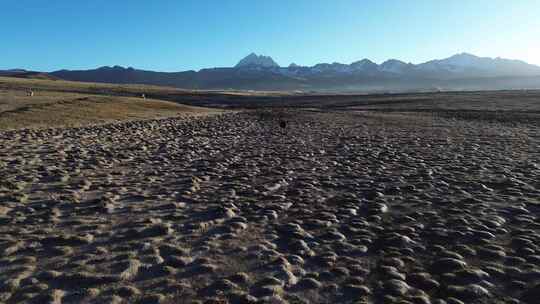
(143, 96)
(30, 93)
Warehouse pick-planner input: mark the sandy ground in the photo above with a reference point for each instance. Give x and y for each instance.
(338, 207)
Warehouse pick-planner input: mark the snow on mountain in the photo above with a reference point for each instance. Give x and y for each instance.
(393, 66)
(466, 64)
(262, 72)
(254, 60)
(458, 63)
(331, 68)
(364, 65)
(456, 66)
(465, 60)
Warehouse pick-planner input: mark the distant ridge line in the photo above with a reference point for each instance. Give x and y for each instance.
(462, 71)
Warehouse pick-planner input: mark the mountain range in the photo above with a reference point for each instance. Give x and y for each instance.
(256, 72)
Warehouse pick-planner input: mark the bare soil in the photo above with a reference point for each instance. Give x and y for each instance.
(343, 205)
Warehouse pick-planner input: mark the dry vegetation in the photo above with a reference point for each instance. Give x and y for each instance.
(49, 108)
(344, 205)
(496, 101)
(13, 83)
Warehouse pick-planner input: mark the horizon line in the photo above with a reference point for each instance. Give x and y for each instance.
(281, 66)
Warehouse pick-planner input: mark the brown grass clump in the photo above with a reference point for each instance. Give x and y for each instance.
(131, 270)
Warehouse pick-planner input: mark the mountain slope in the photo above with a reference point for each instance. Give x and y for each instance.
(20, 73)
(467, 65)
(259, 72)
(254, 60)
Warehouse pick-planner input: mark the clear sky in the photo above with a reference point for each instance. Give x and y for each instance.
(175, 35)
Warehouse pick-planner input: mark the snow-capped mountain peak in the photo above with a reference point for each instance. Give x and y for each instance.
(462, 60)
(393, 66)
(457, 72)
(461, 65)
(254, 60)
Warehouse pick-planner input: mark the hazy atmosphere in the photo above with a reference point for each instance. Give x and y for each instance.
(183, 35)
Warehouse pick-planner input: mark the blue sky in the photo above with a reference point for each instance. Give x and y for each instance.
(175, 35)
